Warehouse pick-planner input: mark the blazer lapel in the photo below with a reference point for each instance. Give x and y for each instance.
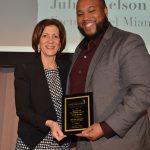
(43, 85)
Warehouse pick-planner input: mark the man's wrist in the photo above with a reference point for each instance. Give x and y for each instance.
(107, 130)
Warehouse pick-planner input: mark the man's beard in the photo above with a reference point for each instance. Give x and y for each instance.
(100, 28)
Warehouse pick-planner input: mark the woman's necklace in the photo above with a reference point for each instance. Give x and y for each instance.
(52, 67)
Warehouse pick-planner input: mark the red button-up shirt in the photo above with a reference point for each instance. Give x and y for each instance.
(80, 68)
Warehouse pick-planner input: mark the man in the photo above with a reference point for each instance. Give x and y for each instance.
(115, 66)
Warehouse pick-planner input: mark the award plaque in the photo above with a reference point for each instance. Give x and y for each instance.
(77, 113)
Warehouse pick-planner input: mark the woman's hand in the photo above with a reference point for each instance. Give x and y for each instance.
(55, 128)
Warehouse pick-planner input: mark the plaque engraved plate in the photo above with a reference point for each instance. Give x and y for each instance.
(77, 113)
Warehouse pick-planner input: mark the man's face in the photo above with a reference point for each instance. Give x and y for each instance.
(91, 17)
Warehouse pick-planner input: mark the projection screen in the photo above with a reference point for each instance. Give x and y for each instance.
(18, 18)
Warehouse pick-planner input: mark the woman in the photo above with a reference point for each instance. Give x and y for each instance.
(39, 87)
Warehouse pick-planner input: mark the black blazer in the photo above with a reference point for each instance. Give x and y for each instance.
(33, 101)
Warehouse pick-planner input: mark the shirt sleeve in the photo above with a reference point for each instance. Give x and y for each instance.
(108, 131)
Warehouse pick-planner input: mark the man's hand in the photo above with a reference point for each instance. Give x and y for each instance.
(92, 133)
(55, 128)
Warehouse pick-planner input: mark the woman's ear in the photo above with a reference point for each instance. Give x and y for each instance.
(39, 50)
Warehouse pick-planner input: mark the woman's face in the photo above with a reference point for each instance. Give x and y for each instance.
(50, 41)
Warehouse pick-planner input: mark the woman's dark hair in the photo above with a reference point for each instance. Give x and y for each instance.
(38, 30)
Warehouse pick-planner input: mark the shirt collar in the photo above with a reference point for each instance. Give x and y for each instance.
(87, 44)
(91, 43)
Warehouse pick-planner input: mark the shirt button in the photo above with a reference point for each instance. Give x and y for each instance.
(79, 71)
(85, 56)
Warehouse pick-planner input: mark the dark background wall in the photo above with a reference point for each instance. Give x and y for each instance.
(10, 59)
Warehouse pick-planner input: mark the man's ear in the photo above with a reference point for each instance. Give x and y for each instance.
(106, 11)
